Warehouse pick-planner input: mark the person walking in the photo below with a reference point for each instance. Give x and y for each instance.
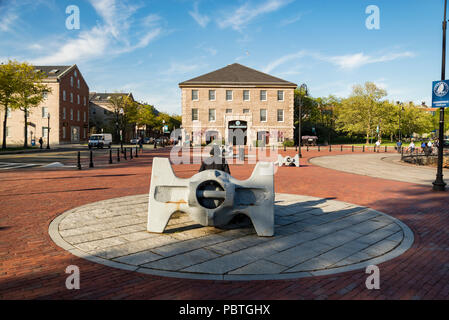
(141, 143)
(41, 142)
(411, 147)
(399, 146)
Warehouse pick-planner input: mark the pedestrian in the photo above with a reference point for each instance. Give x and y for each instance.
(377, 143)
(423, 146)
(41, 142)
(141, 143)
(399, 146)
(216, 161)
(411, 147)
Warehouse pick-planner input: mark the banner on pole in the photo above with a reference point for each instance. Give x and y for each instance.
(440, 94)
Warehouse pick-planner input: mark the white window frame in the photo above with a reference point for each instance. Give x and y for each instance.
(197, 114)
(44, 112)
(71, 97)
(215, 115)
(44, 134)
(78, 99)
(266, 115)
(249, 95)
(215, 95)
(283, 93)
(232, 95)
(283, 115)
(71, 82)
(266, 95)
(197, 95)
(78, 83)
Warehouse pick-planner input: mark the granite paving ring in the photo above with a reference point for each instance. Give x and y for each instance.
(313, 236)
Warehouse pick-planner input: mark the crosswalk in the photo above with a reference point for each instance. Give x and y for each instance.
(16, 165)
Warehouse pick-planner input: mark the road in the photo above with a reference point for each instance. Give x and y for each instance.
(385, 166)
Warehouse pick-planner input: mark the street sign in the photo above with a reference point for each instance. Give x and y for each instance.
(440, 94)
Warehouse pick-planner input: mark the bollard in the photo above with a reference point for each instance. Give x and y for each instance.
(91, 163)
(124, 154)
(330, 148)
(110, 156)
(137, 152)
(131, 153)
(79, 160)
(341, 148)
(318, 148)
(307, 148)
(363, 148)
(284, 148)
(118, 155)
(374, 148)
(352, 148)
(385, 148)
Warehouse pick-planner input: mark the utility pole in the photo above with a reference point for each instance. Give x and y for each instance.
(439, 184)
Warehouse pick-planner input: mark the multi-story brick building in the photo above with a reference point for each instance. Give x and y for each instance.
(67, 106)
(237, 98)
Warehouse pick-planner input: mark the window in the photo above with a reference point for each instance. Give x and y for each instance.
(63, 133)
(44, 132)
(78, 118)
(280, 95)
(76, 74)
(263, 115)
(78, 99)
(71, 82)
(71, 114)
(280, 115)
(78, 83)
(85, 116)
(85, 101)
(8, 113)
(195, 95)
(228, 110)
(7, 131)
(263, 95)
(64, 95)
(84, 133)
(245, 95)
(211, 114)
(71, 97)
(194, 114)
(44, 112)
(212, 95)
(63, 113)
(45, 95)
(228, 95)
(245, 111)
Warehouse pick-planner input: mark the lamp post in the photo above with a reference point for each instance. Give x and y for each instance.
(439, 184)
(301, 88)
(48, 131)
(401, 109)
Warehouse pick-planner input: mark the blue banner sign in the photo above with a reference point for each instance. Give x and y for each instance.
(440, 94)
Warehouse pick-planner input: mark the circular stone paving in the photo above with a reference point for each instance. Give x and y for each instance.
(313, 236)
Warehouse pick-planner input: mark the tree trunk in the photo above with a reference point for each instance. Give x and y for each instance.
(4, 126)
(25, 142)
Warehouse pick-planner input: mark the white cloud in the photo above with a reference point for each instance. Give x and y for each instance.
(291, 20)
(177, 68)
(112, 36)
(202, 20)
(248, 12)
(352, 61)
(289, 57)
(7, 18)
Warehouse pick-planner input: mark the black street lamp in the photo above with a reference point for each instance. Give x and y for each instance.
(48, 131)
(301, 88)
(439, 184)
(401, 109)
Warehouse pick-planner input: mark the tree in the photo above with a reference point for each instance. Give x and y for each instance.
(125, 110)
(10, 85)
(362, 111)
(31, 93)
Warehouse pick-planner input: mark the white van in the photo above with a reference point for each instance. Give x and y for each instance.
(100, 140)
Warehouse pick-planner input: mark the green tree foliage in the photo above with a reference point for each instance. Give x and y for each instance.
(31, 93)
(10, 85)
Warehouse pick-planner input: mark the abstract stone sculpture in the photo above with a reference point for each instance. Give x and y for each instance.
(212, 197)
(288, 161)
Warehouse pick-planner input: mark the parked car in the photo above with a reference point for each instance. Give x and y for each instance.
(147, 140)
(100, 140)
(134, 141)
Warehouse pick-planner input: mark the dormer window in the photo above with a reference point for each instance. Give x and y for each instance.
(54, 71)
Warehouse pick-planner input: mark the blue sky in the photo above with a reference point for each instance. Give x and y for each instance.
(148, 47)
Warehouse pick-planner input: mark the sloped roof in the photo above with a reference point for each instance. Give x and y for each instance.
(52, 71)
(94, 96)
(237, 74)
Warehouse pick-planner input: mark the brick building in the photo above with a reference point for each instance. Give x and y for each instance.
(68, 107)
(237, 98)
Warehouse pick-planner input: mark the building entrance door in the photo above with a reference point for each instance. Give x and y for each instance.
(75, 134)
(237, 132)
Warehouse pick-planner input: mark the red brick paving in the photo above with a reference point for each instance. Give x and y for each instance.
(33, 267)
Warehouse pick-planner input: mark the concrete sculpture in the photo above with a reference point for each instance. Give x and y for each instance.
(212, 197)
